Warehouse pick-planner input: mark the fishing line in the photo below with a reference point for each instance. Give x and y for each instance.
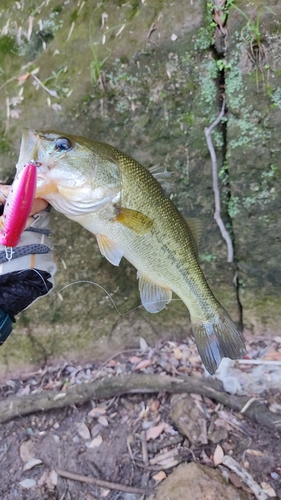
(104, 290)
(53, 292)
(108, 295)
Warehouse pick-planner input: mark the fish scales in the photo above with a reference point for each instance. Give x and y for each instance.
(178, 247)
(122, 203)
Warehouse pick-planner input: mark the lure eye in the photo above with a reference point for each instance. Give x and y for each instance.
(63, 144)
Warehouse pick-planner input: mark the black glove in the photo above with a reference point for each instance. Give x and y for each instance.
(29, 274)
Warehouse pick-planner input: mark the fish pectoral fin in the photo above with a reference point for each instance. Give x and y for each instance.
(153, 297)
(134, 220)
(109, 249)
(196, 227)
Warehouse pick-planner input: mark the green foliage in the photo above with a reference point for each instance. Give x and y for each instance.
(275, 97)
(8, 45)
(233, 206)
(208, 257)
(252, 29)
(96, 65)
(204, 39)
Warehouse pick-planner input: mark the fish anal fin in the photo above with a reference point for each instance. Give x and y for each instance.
(109, 250)
(196, 228)
(134, 220)
(153, 297)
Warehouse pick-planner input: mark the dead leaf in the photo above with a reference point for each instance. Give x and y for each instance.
(23, 78)
(268, 489)
(177, 353)
(144, 412)
(255, 453)
(154, 432)
(27, 450)
(83, 431)
(205, 459)
(15, 113)
(48, 479)
(272, 356)
(218, 455)
(97, 441)
(160, 476)
(97, 412)
(155, 405)
(275, 407)
(60, 395)
(52, 479)
(31, 463)
(143, 345)
(235, 480)
(27, 483)
(56, 106)
(112, 363)
(104, 493)
(103, 421)
(144, 364)
(135, 359)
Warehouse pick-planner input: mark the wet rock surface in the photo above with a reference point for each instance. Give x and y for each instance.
(152, 98)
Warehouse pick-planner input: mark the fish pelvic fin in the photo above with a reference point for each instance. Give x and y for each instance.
(218, 338)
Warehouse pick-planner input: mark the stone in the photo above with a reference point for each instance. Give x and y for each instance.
(186, 417)
(196, 482)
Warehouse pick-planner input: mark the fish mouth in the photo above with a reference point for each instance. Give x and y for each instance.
(29, 148)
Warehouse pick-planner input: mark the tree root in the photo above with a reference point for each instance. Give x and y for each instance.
(18, 406)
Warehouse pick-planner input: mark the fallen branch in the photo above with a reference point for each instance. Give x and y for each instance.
(18, 406)
(259, 493)
(217, 215)
(103, 484)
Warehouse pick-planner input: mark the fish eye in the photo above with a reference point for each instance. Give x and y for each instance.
(63, 144)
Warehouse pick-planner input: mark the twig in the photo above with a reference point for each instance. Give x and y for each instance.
(217, 215)
(16, 76)
(259, 493)
(107, 388)
(151, 30)
(144, 448)
(102, 484)
(248, 404)
(258, 362)
(53, 93)
(157, 459)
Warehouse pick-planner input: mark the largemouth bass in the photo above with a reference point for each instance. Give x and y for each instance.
(125, 207)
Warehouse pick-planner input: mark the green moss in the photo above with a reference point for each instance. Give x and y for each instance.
(8, 46)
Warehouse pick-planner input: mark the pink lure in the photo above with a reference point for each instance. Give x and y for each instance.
(18, 205)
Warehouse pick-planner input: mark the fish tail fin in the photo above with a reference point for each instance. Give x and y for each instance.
(217, 337)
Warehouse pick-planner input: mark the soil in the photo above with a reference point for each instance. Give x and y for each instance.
(104, 439)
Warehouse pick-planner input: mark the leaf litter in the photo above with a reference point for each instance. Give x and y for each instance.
(132, 440)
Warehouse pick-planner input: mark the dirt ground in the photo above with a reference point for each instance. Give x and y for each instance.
(134, 440)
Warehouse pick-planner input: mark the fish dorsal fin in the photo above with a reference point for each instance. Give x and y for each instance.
(161, 174)
(109, 249)
(153, 297)
(196, 227)
(134, 220)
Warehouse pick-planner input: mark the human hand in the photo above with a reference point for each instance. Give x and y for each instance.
(38, 205)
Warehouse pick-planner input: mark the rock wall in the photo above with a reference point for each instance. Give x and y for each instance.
(148, 77)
